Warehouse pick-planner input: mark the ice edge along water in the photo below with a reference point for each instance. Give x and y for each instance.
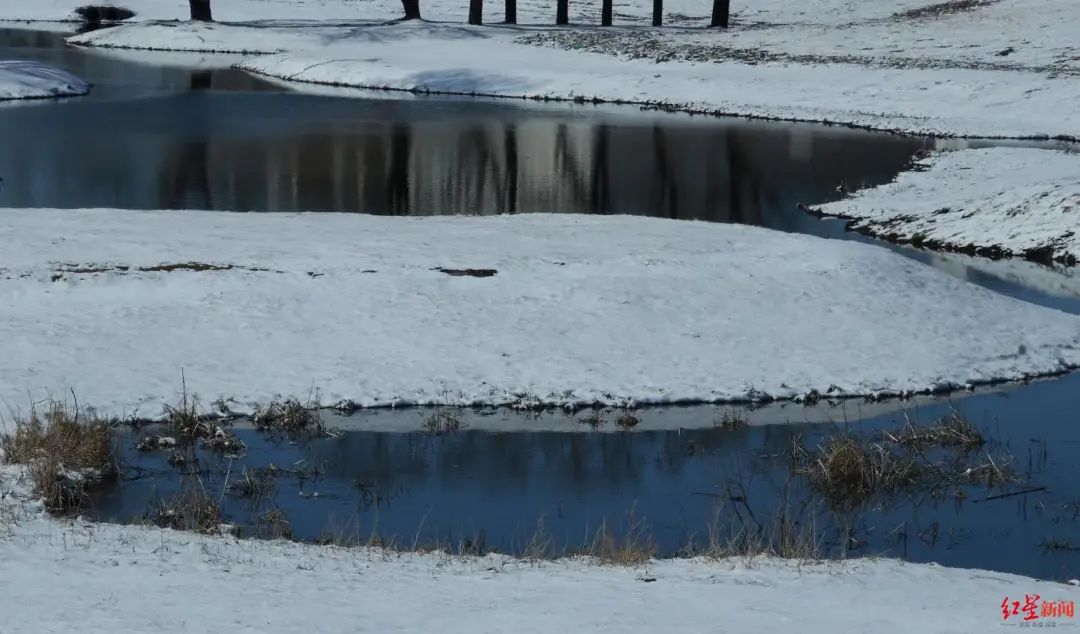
(1005, 201)
(235, 584)
(620, 310)
(960, 85)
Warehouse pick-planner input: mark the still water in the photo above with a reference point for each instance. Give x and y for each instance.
(187, 133)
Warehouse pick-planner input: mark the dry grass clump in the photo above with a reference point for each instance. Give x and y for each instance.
(184, 418)
(255, 484)
(189, 509)
(223, 441)
(189, 425)
(273, 524)
(952, 430)
(289, 416)
(633, 548)
(65, 452)
(994, 471)
(784, 535)
(442, 422)
(848, 470)
(730, 419)
(594, 419)
(627, 420)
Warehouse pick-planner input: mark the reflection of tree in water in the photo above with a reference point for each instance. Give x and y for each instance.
(398, 178)
(726, 174)
(510, 152)
(511, 461)
(187, 183)
(568, 169)
(601, 171)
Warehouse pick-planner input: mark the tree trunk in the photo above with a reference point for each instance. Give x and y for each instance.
(562, 12)
(720, 13)
(200, 10)
(605, 13)
(511, 11)
(412, 9)
(657, 12)
(476, 11)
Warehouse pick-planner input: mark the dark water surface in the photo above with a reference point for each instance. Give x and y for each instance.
(185, 133)
(504, 477)
(153, 137)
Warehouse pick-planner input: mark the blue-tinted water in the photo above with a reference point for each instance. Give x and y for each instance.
(172, 136)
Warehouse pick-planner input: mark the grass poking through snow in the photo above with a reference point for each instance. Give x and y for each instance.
(65, 451)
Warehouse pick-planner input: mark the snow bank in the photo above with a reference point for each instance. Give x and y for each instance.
(996, 201)
(34, 80)
(940, 96)
(539, 11)
(580, 309)
(126, 578)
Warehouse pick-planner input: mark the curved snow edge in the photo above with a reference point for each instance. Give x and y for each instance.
(22, 79)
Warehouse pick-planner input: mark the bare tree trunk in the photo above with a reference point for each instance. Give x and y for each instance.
(200, 10)
(562, 12)
(511, 11)
(657, 12)
(412, 9)
(720, 13)
(605, 13)
(476, 11)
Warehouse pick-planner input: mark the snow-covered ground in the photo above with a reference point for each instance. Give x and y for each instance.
(148, 579)
(34, 80)
(1006, 201)
(581, 309)
(829, 12)
(1000, 68)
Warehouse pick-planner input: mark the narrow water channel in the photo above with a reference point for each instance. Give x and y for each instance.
(187, 133)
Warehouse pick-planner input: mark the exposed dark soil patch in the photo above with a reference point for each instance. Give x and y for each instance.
(192, 266)
(659, 49)
(944, 8)
(62, 271)
(93, 14)
(467, 272)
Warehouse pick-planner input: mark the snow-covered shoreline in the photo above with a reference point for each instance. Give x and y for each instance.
(615, 310)
(1001, 202)
(237, 585)
(33, 80)
(1005, 69)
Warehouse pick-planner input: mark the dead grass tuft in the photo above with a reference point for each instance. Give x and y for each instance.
(627, 420)
(273, 524)
(848, 470)
(730, 419)
(65, 451)
(255, 484)
(441, 422)
(633, 548)
(952, 430)
(189, 509)
(289, 416)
